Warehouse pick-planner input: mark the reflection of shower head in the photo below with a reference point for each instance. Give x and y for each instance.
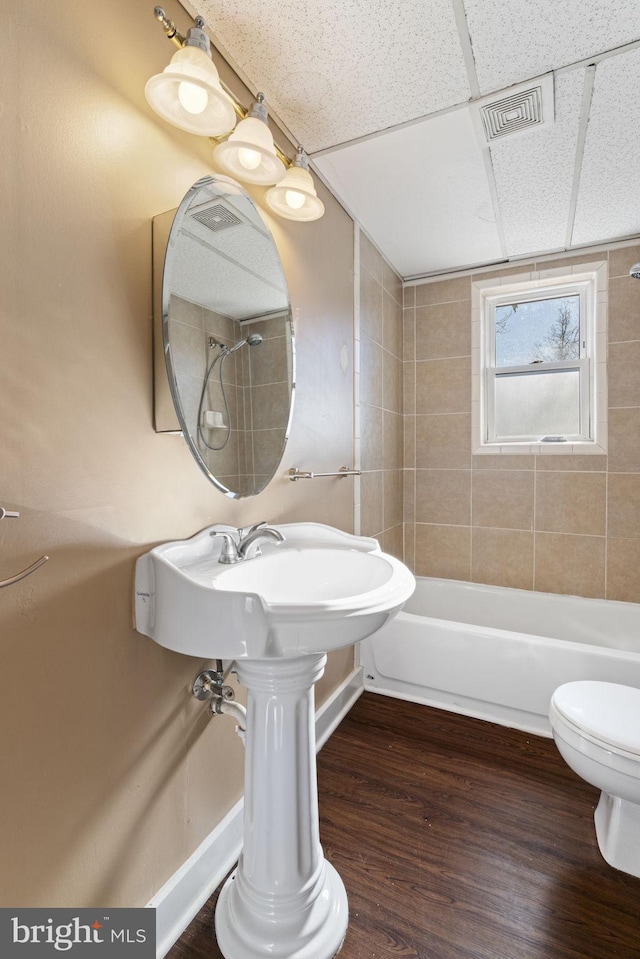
(635, 271)
(253, 340)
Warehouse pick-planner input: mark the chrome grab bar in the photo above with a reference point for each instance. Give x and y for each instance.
(11, 514)
(295, 474)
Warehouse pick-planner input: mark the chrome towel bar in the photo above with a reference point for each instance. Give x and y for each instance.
(11, 514)
(295, 474)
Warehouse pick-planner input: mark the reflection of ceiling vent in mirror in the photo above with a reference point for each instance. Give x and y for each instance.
(517, 109)
(216, 217)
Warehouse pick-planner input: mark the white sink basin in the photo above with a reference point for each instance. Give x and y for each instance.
(319, 590)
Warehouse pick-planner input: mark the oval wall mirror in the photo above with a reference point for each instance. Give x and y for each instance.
(227, 336)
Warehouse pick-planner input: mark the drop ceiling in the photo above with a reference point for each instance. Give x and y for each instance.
(385, 96)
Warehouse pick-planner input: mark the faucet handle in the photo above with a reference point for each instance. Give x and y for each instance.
(229, 552)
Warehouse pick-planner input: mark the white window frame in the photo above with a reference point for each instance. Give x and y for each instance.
(589, 281)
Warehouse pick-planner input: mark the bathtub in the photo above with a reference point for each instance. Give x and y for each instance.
(498, 654)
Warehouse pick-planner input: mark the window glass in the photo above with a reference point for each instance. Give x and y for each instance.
(538, 331)
(538, 403)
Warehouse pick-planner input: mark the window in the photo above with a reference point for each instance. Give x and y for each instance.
(540, 375)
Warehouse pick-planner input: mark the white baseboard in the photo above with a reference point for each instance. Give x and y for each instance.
(185, 893)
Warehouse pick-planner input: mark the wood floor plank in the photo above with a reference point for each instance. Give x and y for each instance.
(459, 839)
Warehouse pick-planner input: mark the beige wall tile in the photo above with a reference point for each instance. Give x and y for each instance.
(563, 262)
(624, 441)
(497, 274)
(443, 441)
(624, 309)
(574, 565)
(444, 291)
(409, 535)
(623, 570)
(392, 499)
(370, 306)
(502, 557)
(409, 388)
(370, 257)
(391, 282)
(443, 551)
(409, 297)
(391, 382)
(370, 371)
(393, 542)
(623, 516)
(392, 324)
(517, 461)
(622, 259)
(443, 496)
(409, 459)
(371, 516)
(624, 372)
(371, 438)
(571, 503)
(393, 440)
(559, 462)
(409, 495)
(443, 330)
(408, 334)
(503, 499)
(444, 386)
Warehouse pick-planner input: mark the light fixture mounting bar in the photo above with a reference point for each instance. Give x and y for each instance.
(169, 27)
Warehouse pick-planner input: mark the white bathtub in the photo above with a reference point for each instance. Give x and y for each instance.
(498, 654)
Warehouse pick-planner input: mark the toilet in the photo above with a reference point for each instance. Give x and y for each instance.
(596, 727)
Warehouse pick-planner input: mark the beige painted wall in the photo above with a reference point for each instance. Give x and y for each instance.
(556, 523)
(112, 775)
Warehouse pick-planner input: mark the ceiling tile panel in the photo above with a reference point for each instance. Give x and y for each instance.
(514, 40)
(421, 193)
(335, 70)
(608, 205)
(534, 175)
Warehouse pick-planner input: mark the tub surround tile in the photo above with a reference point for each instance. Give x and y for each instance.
(444, 291)
(370, 257)
(371, 362)
(622, 259)
(571, 503)
(503, 499)
(489, 461)
(623, 517)
(408, 335)
(391, 382)
(393, 440)
(371, 437)
(443, 496)
(371, 512)
(624, 441)
(443, 331)
(444, 386)
(392, 499)
(393, 541)
(409, 461)
(443, 441)
(409, 388)
(409, 297)
(409, 534)
(409, 495)
(624, 373)
(391, 325)
(392, 282)
(582, 462)
(574, 565)
(624, 308)
(370, 306)
(502, 557)
(443, 551)
(623, 570)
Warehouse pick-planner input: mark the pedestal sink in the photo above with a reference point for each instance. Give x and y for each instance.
(276, 615)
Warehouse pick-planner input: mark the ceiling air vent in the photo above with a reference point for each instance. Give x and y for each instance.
(517, 109)
(216, 217)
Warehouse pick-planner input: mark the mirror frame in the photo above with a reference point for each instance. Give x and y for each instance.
(168, 410)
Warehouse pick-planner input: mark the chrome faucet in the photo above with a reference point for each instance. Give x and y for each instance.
(234, 552)
(253, 537)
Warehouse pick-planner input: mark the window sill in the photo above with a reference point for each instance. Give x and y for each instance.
(541, 449)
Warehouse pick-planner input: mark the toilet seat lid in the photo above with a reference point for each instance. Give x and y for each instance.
(607, 712)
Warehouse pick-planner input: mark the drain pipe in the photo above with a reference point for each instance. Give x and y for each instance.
(209, 686)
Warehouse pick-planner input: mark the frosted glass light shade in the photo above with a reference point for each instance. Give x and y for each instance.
(188, 94)
(250, 155)
(295, 196)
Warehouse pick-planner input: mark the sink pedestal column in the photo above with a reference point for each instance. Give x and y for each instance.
(285, 901)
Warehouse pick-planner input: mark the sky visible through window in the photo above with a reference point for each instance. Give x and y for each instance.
(538, 331)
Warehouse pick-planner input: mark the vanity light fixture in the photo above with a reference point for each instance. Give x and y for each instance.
(190, 95)
(295, 196)
(250, 153)
(188, 92)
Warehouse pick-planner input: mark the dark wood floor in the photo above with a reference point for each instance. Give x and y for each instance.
(458, 839)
